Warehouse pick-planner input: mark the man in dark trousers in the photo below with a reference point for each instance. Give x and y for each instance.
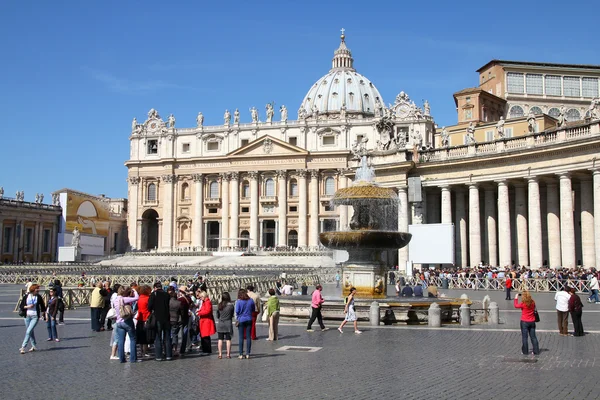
(316, 304)
(508, 287)
(159, 304)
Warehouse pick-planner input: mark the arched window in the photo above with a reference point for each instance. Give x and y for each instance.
(269, 187)
(214, 190)
(554, 112)
(329, 186)
(573, 115)
(293, 238)
(293, 188)
(245, 190)
(516, 112)
(185, 232)
(536, 110)
(185, 191)
(152, 192)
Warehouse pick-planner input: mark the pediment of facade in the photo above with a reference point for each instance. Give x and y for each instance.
(268, 146)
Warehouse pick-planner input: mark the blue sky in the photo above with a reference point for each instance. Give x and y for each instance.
(75, 73)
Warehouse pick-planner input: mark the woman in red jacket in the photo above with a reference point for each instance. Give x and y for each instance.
(142, 317)
(207, 323)
(527, 307)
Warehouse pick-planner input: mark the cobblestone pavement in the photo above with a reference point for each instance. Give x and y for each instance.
(383, 362)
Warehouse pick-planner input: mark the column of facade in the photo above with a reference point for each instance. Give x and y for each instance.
(168, 210)
(40, 242)
(1, 237)
(343, 210)
(474, 226)
(224, 209)
(553, 223)
(17, 242)
(567, 227)
(587, 224)
(302, 208)
(596, 194)
(446, 205)
(253, 208)
(491, 226)
(403, 209)
(53, 243)
(34, 241)
(234, 222)
(461, 228)
(504, 246)
(198, 222)
(521, 224)
(282, 208)
(132, 211)
(314, 208)
(534, 222)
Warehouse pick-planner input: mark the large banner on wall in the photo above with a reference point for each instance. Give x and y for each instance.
(88, 215)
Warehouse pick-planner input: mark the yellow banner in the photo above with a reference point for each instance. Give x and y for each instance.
(89, 216)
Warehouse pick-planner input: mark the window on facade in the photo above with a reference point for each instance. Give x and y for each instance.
(573, 115)
(7, 239)
(245, 210)
(185, 148)
(213, 190)
(115, 241)
(46, 241)
(245, 142)
(359, 138)
(468, 99)
(245, 189)
(212, 146)
(590, 87)
(552, 85)
(514, 83)
(28, 240)
(213, 211)
(489, 136)
(536, 110)
(293, 141)
(571, 86)
(508, 132)
(329, 225)
(468, 114)
(152, 147)
(554, 112)
(293, 209)
(329, 207)
(328, 140)
(185, 191)
(516, 112)
(534, 84)
(293, 188)
(269, 187)
(151, 192)
(329, 186)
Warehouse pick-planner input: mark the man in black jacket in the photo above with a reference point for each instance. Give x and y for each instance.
(159, 304)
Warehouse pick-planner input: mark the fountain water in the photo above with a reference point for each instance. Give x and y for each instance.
(373, 229)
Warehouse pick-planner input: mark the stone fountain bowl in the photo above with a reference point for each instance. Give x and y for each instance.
(365, 239)
(362, 192)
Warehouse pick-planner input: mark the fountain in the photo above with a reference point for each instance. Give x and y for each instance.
(373, 229)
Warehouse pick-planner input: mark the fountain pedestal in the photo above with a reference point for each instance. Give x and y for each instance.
(367, 278)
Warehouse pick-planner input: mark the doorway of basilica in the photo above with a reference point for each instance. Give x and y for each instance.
(149, 230)
(268, 239)
(213, 234)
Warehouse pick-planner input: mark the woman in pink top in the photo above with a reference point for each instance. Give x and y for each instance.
(527, 307)
(125, 326)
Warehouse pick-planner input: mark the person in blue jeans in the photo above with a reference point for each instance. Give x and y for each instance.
(125, 326)
(51, 316)
(244, 306)
(32, 306)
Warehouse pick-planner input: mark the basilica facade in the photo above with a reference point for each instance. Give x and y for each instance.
(529, 198)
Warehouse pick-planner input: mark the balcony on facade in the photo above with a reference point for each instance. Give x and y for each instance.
(268, 199)
(212, 201)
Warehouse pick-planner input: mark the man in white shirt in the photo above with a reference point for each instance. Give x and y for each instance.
(594, 286)
(562, 311)
(287, 289)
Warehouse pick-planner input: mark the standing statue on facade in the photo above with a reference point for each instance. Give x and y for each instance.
(227, 118)
(302, 113)
(284, 112)
(134, 125)
(426, 108)
(562, 117)
(416, 139)
(531, 121)
(593, 109)
(270, 112)
(200, 120)
(445, 137)
(20, 195)
(172, 121)
(343, 111)
(500, 128)
(471, 134)
(55, 199)
(236, 116)
(378, 108)
(75, 241)
(315, 112)
(1, 192)
(254, 114)
(37, 198)
(153, 114)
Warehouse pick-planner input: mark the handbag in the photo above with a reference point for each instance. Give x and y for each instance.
(111, 314)
(151, 322)
(265, 316)
(536, 315)
(125, 310)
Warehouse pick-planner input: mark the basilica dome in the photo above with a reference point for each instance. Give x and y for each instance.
(342, 86)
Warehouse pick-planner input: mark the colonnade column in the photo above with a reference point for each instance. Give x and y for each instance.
(504, 225)
(587, 224)
(403, 225)
(167, 219)
(234, 223)
(567, 226)
(491, 226)
(198, 223)
(553, 223)
(596, 184)
(446, 205)
(282, 207)
(474, 226)
(521, 224)
(53, 243)
(314, 208)
(461, 228)
(302, 208)
(132, 212)
(253, 175)
(224, 209)
(534, 222)
(343, 182)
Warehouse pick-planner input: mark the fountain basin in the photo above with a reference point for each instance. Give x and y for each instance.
(364, 239)
(362, 192)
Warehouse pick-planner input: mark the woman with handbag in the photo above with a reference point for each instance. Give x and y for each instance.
(32, 306)
(576, 310)
(225, 326)
(124, 311)
(207, 323)
(528, 319)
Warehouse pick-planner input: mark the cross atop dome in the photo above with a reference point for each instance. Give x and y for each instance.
(342, 58)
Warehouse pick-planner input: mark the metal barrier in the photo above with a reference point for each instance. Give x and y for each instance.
(531, 284)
